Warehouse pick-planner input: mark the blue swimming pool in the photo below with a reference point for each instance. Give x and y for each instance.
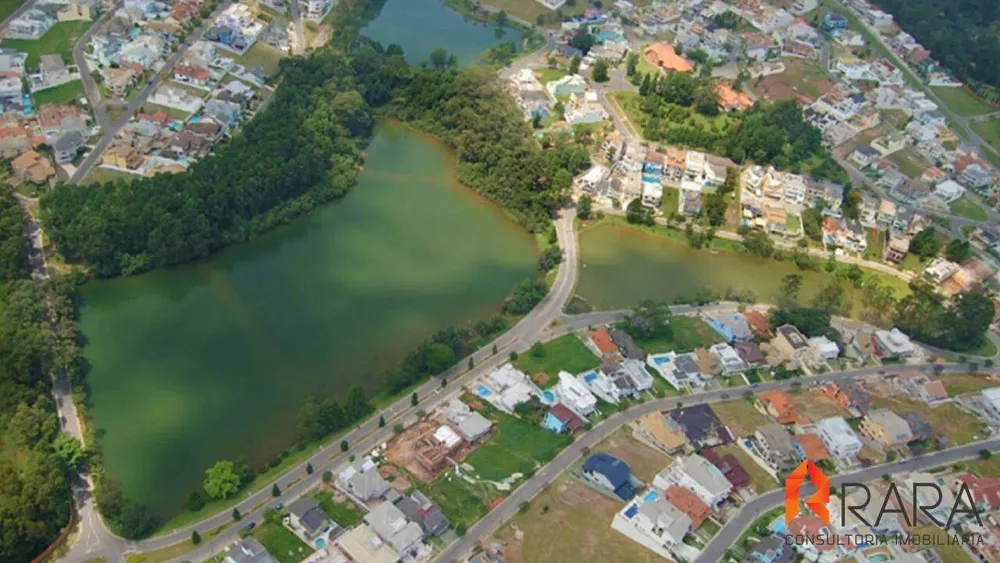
(661, 360)
(484, 391)
(589, 376)
(320, 543)
(778, 526)
(651, 496)
(549, 397)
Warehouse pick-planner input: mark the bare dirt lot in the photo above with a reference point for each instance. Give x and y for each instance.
(644, 460)
(800, 77)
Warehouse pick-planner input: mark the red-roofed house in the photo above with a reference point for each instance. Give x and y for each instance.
(601, 339)
(758, 323)
(985, 490)
(811, 447)
(730, 467)
(778, 404)
(191, 75)
(560, 419)
(809, 525)
(688, 503)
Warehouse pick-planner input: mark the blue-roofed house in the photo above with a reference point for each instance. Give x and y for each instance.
(561, 419)
(833, 21)
(733, 328)
(610, 473)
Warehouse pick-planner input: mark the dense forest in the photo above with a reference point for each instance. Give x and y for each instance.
(682, 109)
(963, 35)
(34, 460)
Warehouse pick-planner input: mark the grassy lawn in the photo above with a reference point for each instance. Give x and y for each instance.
(163, 554)
(962, 102)
(740, 416)
(948, 420)
(800, 77)
(173, 113)
(670, 202)
(58, 41)
(896, 117)
(876, 245)
(950, 552)
(63, 93)
(631, 104)
(546, 75)
(989, 131)
(760, 479)
(967, 207)
(962, 383)
(793, 224)
(571, 523)
(98, 175)
(461, 502)
(344, 513)
(281, 543)
(709, 528)
(529, 10)
(909, 162)
(262, 55)
(644, 460)
(7, 7)
(515, 447)
(688, 333)
(566, 353)
(985, 467)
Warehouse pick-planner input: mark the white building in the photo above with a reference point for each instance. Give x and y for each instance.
(510, 388)
(949, 191)
(895, 343)
(795, 189)
(679, 370)
(839, 438)
(575, 395)
(591, 179)
(657, 525)
(989, 400)
(699, 476)
(177, 98)
(823, 349)
(601, 386)
(730, 360)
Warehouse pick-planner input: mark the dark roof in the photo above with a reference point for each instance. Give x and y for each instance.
(860, 399)
(418, 508)
(771, 549)
(567, 417)
(627, 345)
(793, 336)
(700, 424)
(919, 425)
(307, 510)
(616, 470)
(567, 51)
(750, 353)
(729, 466)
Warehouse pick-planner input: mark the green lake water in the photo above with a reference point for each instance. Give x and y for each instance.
(211, 361)
(621, 266)
(420, 26)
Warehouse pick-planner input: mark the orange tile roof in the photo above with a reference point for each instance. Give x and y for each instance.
(758, 322)
(602, 339)
(664, 56)
(936, 390)
(812, 446)
(730, 98)
(688, 503)
(783, 407)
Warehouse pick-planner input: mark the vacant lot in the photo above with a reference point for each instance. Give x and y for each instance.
(515, 447)
(760, 479)
(61, 94)
(687, 334)
(962, 102)
(463, 503)
(740, 416)
(947, 420)
(281, 543)
(262, 55)
(985, 467)
(800, 77)
(571, 523)
(816, 407)
(58, 41)
(909, 162)
(962, 383)
(644, 460)
(566, 353)
(340, 510)
(989, 131)
(967, 207)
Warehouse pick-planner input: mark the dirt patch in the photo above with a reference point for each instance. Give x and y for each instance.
(644, 461)
(395, 477)
(423, 456)
(540, 379)
(816, 406)
(799, 78)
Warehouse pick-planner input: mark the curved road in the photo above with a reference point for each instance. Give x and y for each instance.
(527, 491)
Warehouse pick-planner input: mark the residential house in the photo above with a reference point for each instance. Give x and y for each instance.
(65, 147)
(920, 428)
(626, 344)
(420, 509)
(730, 467)
(810, 446)
(471, 425)
(679, 370)
(661, 432)
(838, 437)
(849, 395)
(362, 481)
(391, 525)
(656, 525)
(989, 402)
(864, 156)
(32, 167)
(701, 426)
(823, 349)
(897, 248)
(561, 419)
(984, 491)
(811, 526)
(779, 405)
(688, 503)
(932, 392)
(12, 63)
(629, 376)
(30, 24)
(118, 80)
(774, 444)
(602, 386)
(751, 354)
(567, 85)
(771, 549)
(609, 473)
(732, 327)
(729, 359)
(949, 191)
(307, 518)
(177, 98)
(698, 475)
(893, 343)
(601, 341)
(757, 321)
(195, 76)
(56, 119)
(248, 550)
(123, 157)
(792, 344)
(511, 387)
(585, 108)
(886, 428)
(575, 395)
(361, 544)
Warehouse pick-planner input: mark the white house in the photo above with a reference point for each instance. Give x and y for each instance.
(601, 386)
(823, 349)
(730, 360)
(894, 343)
(657, 525)
(569, 84)
(949, 191)
(699, 476)
(680, 370)
(575, 395)
(510, 387)
(838, 437)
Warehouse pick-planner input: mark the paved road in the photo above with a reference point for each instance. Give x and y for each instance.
(89, 85)
(731, 532)
(509, 507)
(136, 103)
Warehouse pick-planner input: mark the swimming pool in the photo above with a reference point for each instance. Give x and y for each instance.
(320, 543)
(651, 496)
(589, 376)
(660, 360)
(484, 391)
(549, 397)
(778, 526)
